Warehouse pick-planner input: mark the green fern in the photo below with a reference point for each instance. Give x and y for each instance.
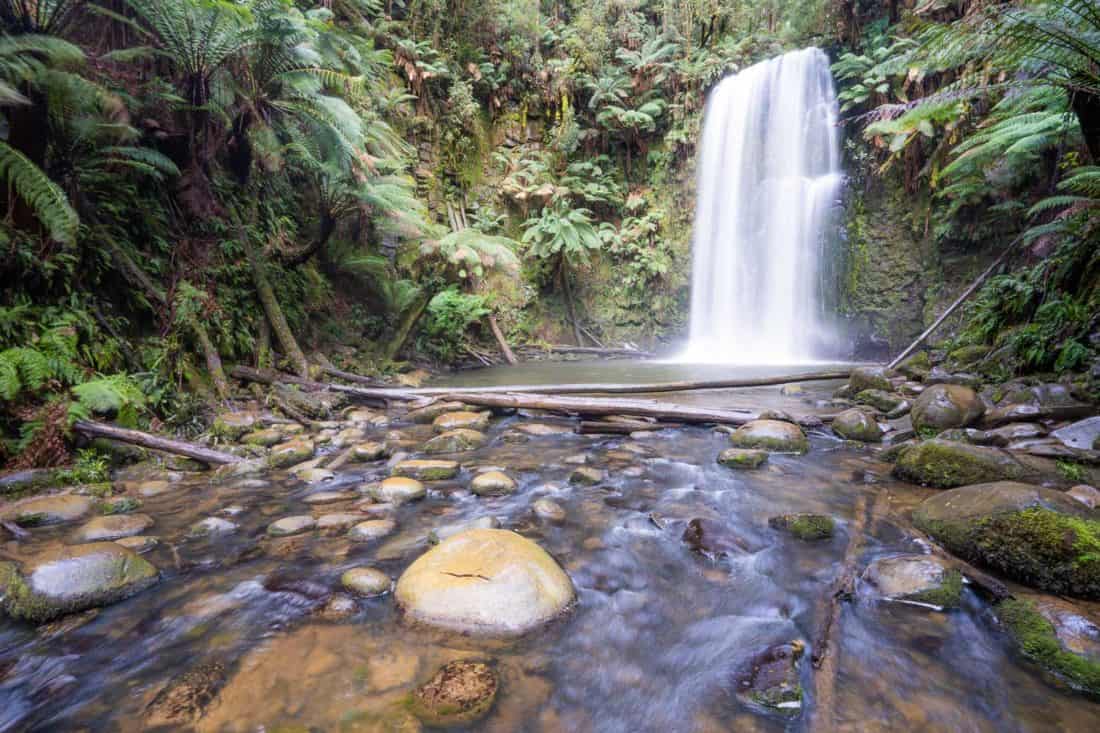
(44, 197)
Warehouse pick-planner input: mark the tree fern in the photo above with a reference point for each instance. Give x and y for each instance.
(44, 197)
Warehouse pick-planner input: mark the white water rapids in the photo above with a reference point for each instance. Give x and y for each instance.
(769, 179)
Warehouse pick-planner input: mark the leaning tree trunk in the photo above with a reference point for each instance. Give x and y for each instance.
(272, 308)
(405, 328)
(567, 292)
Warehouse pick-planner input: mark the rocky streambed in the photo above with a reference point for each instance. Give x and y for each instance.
(921, 559)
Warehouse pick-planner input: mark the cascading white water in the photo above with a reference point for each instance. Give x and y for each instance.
(769, 177)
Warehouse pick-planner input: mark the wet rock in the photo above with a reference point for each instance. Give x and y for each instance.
(360, 415)
(186, 697)
(330, 497)
(770, 679)
(44, 510)
(857, 424)
(864, 378)
(1051, 636)
(539, 430)
(586, 476)
(119, 505)
(742, 458)
(448, 421)
(371, 530)
(291, 525)
(348, 436)
(316, 404)
(431, 412)
(946, 406)
(367, 452)
(881, 399)
(69, 579)
(139, 543)
(489, 581)
(493, 483)
(290, 453)
(212, 527)
(113, 527)
(439, 534)
(1039, 537)
(1087, 495)
(339, 607)
(427, 470)
(337, 522)
(939, 375)
(780, 415)
(1040, 402)
(287, 582)
(945, 464)
(398, 490)
(916, 366)
(315, 475)
(460, 693)
(916, 579)
(232, 425)
(455, 441)
(1081, 435)
(549, 510)
(792, 390)
(712, 538)
(771, 435)
(807, 527)
(366, 582)
(266, 438)
(1006, 434)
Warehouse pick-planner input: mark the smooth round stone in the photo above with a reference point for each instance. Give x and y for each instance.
(337, 521)
(347, 436)
(458, 440)
(290, 453)
(113, 527)
(427, 470)
(857, 424)
(771, 435)
(549, 510)
(538, 429)
(367, 452)
(366, 581)
(945, 406)
(398, 490)
(140, 543)
(489, 581)
(742, 458)
(266, 438)
(372, 529)
(586, 476)
(291, 525)
(42, 510)
(330, 497)
(493, 483)
(454, 420)
(212, 526)
(315, 475)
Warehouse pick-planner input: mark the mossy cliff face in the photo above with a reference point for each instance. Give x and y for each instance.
(1039, 537)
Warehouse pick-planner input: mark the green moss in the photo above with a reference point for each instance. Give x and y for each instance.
(1037, 641)
(806, 527)
(120, 505)
(776, 696)
(19, 600)
(742, 458)
(948, 595)
(1071, 471)
(774, 445)
(947, 464)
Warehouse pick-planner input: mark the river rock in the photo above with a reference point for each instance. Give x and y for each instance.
(337, 522)
(1087, 495)
(232, 425)
(186, 697)
(398, 490)
(1082, 435)
(367, 582)
(330, 497)
(69, 579)
(428, 414)
(367, 452)
(792, 390)
(771, 435)
(439, 534)
(917, 579)
(460, 693)
(348, 436)
(539, 430)
(1006, 434)
(742, 458)
(113, 527)
(863, 378)
(371, 530)
(586, 476)
(549, 510)
(493, 483)
(857, 424)
(770, 678)
(880, 399)
(1040, 402)
(43, 510)
(448, 421)
(807, 527)
(916, 366)
(427, 470)
(359, 415)
(315, 475)
(489, 581)
(122, 504)
(939, 375)
(265, 438)
(139, 543)
(945, 406)
(713, 539)
(212, 527)
(1040, 537)
(1056, 636)
(290, 453)
(946, 464)
(291, 525)
(455, 441)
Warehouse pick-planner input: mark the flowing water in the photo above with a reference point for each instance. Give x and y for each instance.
(654, 644)
(769, 179)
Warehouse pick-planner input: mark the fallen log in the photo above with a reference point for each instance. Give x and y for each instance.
(347, 376)
(593, 350)
(377, 395)
(148, 440)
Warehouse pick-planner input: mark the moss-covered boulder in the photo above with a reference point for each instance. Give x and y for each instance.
(460, 693)
(367, 452)
(742, 458)
(870, 377)
(881, 399)
(1039, 537)
(770, 678)
(461, 419)
(771, 435)
(916, 579)
(944, 406)
(266, 437)
(916, 366)
(455, 441)
(290, 453)
(428, 414)
(43, 510)
(1037, 637)
(317, 404)
(398, 490)
(69, 579)
(113, 527)
(807, 527)
(946, 464)
(427, 470)
(232, 425)
(857, 424)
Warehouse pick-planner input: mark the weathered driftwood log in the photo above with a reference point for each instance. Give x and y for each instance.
(592, 350)
(347, 376)
(601, 406)
(376, 395)
(505, 349)
(148, 440)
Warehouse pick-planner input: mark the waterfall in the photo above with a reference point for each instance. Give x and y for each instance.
(769, 178)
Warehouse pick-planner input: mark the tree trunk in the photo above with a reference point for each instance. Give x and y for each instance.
(567, 292)
(328, 226)
(272, 308)
(148, 440)
(264, 357)
(405, 328)
(499, 336)
(213, 361)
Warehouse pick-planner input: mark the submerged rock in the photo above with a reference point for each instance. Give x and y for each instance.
(69, 579)
(427, 470)
(372, 529)
(549, 510)
(946, 464)
(857, 424)
(770, 679)
(917, 579)
(806, 527)
(464, 419)
(212, 527)
(493, 483)
(586, 476)
(771, 435)
(439, 534)
(488, 581)
(291, 525)
(712, 538)
(44, 510)
(742, 458)
(186, 697)
(945, 406)
(1050, 634)
(455, 441)
(1039, 537)
(367, 452)
(113, 527)
(460, 693)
